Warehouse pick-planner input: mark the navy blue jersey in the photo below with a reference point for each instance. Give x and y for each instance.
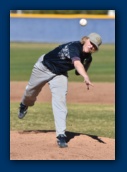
(60, 59)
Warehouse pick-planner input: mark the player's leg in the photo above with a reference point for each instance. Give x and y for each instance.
(58, 86)
(35, 84)
(32, 90)
(39, 77)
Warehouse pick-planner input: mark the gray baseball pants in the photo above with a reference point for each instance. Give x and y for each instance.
(58, 86)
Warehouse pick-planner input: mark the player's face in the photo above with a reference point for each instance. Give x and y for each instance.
(89, 47)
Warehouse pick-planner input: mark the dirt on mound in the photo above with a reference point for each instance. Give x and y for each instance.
(41, 145)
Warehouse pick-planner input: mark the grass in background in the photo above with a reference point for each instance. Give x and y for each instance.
(24, 55)
(89, 119)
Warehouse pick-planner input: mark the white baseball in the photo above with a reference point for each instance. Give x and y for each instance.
(83, 22)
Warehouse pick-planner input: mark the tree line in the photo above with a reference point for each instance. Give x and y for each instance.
(61, 11)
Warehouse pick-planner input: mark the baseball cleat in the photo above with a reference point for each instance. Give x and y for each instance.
(22, 111)
(61, 141)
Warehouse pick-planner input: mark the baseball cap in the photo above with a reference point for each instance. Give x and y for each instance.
(95, 39)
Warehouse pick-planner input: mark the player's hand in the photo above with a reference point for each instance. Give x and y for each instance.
(88, 82)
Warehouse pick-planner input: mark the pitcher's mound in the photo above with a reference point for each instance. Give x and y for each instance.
(41, 145)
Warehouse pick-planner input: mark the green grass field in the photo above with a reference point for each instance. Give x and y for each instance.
(92, 119)
(83, 118)
(24, 55)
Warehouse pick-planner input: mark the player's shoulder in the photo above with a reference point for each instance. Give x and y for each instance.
(75, 44)
(72, 43)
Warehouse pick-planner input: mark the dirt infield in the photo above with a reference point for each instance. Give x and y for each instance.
(77, 93)
(41, 145)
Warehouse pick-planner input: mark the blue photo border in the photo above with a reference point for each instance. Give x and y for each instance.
(120, 164)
